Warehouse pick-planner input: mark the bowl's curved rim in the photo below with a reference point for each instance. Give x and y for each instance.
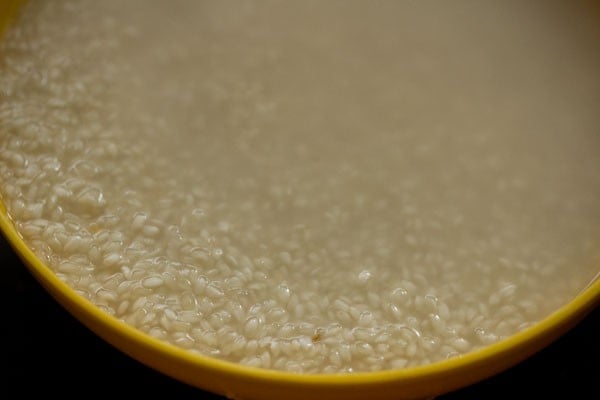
(527, 341)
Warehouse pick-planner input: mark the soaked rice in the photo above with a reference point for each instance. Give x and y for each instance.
(315, 187)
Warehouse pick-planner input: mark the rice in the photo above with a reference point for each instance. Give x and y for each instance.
(315, 187)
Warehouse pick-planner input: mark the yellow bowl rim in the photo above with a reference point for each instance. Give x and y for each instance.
(566, 316)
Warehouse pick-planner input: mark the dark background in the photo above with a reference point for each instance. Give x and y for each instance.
(44, 349)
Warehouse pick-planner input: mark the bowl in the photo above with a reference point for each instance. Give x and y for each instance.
(243, 382)
(238, 382)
